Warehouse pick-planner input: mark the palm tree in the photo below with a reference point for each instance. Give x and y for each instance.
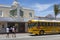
(55, 10)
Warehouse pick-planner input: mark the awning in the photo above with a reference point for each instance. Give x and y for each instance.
(10, 19)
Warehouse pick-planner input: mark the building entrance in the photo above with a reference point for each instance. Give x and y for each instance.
(10, 25)
(20, 27)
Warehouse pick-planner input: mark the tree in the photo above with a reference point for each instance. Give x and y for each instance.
(56, 10)
(13, 12)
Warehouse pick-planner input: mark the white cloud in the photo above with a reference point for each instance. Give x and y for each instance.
(48, 11)
(41, 7)
(45, 13)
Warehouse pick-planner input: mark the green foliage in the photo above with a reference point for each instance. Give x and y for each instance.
(56, 10)
(12, 12)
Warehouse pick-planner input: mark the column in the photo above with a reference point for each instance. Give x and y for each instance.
(5, 25)
(18, 11)
(26, 27)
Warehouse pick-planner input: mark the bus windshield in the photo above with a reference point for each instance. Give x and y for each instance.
(32, 24)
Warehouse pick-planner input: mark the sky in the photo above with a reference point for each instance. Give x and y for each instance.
(41, 7)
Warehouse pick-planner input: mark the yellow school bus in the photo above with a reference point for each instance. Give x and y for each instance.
(38, 27)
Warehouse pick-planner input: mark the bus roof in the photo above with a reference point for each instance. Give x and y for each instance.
(45, 20)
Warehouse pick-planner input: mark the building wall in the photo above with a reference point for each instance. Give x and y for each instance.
(5, 11)
(3, 27)
(26, 13)
(22, 27)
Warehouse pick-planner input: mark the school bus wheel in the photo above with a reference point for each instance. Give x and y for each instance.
(41, 32)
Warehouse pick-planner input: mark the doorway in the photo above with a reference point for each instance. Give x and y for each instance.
(20, 26)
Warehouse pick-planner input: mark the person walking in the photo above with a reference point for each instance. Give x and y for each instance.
(14, 31)
(7, 31)
(10, 30)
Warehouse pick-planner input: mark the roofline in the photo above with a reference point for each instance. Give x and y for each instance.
(1, 5)
(25, 8)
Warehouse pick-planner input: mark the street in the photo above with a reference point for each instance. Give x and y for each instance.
(28, 37)
(44, 37)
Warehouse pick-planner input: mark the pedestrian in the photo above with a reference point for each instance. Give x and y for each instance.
(7, 31)
(14, 31)
(10, 29)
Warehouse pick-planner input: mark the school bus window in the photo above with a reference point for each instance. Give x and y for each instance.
(45, 23)
(38, 23)
(54, 24)
(51, 24)
(42, 23)
(58, 24)
(35, 24)
(29, 25)
(48, 24)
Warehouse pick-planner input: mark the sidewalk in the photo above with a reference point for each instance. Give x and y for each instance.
(18, 35)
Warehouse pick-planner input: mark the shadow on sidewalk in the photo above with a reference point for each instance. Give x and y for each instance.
(44, 34)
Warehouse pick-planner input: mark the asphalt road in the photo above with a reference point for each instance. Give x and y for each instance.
(41, 37)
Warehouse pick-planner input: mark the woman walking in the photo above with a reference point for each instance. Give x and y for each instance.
(7, 31)
(14, 31)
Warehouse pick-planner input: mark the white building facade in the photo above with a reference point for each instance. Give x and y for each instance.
(15, 15)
